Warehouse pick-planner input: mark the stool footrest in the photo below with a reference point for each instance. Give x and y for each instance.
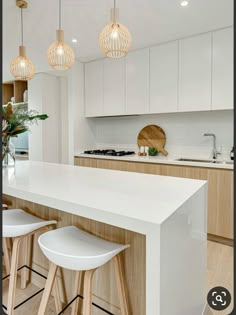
(32, 296)
(81, 297)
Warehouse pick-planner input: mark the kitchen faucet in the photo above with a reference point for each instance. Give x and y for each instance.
(215, 152)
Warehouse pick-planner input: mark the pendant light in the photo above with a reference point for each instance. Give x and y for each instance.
(21, 67)
(60, 56)
(115, 39)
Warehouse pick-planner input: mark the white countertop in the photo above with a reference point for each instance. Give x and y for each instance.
(102, 195)
(227, 164)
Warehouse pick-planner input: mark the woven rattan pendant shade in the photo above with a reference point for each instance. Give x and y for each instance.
(21, 67)
(60, 55)
(115, 39)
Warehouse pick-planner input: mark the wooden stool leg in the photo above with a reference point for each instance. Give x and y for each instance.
(56, 294)
(121, 285)
(75, 305)
(13, 276)
(6, 255)
(29, 257)
(24, 271)
(48, 289)
(9, 243)
(88, 278)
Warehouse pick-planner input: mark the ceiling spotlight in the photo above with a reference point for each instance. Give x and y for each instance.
(74, 40)
(184, 3)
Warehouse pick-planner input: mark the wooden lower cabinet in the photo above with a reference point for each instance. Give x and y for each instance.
(220, 195)
(85, 162)
(220, 188)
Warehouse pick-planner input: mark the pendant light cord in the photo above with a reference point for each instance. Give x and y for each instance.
(22, 28)
(114, 12)
(59, 14)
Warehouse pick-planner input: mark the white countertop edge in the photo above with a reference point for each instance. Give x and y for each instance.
(157, 160)
(124, 222)
(27, 181)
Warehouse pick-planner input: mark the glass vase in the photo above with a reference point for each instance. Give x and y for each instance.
(8, 153)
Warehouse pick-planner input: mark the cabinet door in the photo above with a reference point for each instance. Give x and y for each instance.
(94, 89)
(137, 82)
(164, 78)
(146, 168)
(220, 195)
(111, 164)
(220, 203)
(222, 69)
(87, 162)
(195, 73)
(114, 87)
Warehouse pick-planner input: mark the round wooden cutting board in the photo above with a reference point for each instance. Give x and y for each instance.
(154, 137)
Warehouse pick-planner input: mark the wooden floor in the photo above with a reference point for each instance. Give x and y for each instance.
(219, 273)
(220, 270)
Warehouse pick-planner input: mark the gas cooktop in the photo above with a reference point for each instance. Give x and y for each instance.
(109, 152)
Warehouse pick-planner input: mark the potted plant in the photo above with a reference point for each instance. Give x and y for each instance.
(14, 122)
(152, 151)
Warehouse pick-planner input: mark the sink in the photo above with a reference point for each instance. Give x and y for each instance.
(195, 160)
(205, 161)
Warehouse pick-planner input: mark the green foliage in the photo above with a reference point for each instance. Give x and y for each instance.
(152, 151)
(16, 121)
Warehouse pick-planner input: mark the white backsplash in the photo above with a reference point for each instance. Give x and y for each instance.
(184, 132)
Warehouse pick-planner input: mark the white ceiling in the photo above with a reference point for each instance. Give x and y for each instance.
(149, 21)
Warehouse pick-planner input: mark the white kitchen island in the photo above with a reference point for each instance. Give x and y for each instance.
(170, 213)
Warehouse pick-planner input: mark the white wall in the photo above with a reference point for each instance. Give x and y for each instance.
(51, 106)
(64, 120)
(66, 130)
(45, 137)
(183, 131)
(81, 130)
(35, 131)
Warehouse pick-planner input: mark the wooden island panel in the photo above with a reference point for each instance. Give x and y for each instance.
(104, 284)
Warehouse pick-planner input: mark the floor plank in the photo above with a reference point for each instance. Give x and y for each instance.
(219, 273)
(220, 270)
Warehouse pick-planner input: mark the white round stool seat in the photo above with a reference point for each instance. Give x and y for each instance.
(71, 248)
(16, 222)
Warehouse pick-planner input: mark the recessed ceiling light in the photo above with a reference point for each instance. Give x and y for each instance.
(74, 40)
(184, 3)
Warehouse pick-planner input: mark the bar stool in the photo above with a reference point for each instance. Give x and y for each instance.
(71, 248)
(19, 225)
(5, 247)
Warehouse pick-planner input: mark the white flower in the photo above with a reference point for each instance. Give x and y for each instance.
(4, 125)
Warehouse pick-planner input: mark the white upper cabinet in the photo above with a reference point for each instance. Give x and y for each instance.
(94, 89)
(114, 87)
(164, 78)
(191, 74)
(222, 69)
(137, 82)
(195, 73)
